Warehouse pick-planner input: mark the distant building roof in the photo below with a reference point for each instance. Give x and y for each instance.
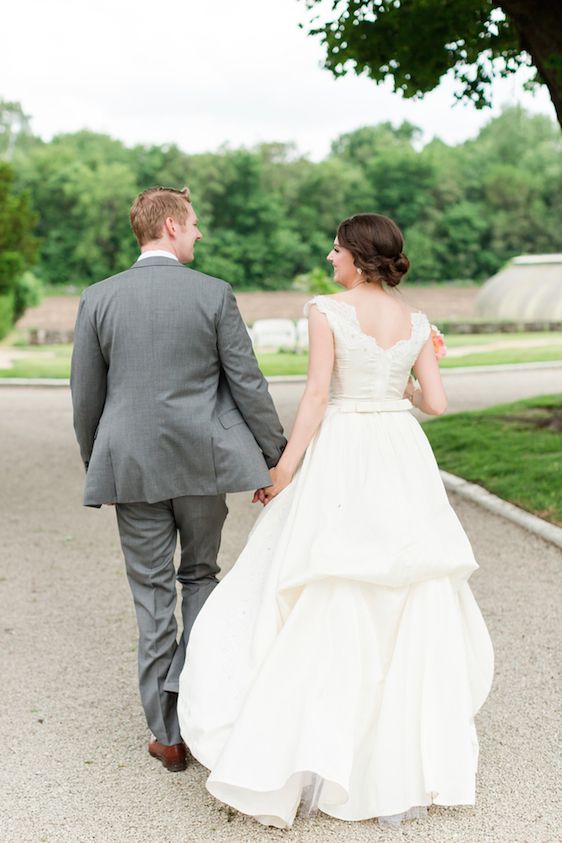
(527, 289)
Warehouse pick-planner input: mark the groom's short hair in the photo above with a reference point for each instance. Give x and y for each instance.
(153, 206)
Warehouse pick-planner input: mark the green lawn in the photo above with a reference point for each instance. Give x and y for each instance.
(283, 363)
(504, 356)
(458, 340)
(52, 361)
(513, 450)
(40, 362)
(296, 364)
(286, 363)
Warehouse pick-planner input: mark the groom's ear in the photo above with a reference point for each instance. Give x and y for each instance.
(169, 227)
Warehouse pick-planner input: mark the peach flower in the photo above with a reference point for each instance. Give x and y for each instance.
(438, 340)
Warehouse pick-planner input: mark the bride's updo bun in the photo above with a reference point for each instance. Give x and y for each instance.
(376, 243)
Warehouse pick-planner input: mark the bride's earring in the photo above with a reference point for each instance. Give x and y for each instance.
(359, 274)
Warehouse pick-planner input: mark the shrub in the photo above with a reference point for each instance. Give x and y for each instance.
(28, 292)
(316, 282)
(6, 313)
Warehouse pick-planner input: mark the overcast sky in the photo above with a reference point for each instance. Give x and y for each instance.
(236, 72)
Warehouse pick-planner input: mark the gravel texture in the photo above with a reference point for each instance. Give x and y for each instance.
(75, 766)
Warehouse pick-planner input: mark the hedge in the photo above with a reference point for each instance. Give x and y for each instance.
(6, 313)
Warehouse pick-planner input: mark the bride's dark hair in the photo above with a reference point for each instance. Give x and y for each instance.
(376, 243)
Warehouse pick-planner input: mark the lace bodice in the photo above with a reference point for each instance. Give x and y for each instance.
(362, 369)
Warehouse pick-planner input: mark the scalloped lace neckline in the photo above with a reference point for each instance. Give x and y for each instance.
(353, 312)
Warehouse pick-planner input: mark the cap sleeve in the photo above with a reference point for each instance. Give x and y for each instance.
(422, 328)
(320, 303)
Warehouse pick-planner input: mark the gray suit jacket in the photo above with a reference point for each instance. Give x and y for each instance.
(167, 395)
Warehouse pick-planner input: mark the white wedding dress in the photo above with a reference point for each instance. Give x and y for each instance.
(340, 663)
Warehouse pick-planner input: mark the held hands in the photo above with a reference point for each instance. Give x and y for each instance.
(259, 495)
(280, 479)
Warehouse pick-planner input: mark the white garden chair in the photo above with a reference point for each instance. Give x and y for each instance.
(274, 335)
(302, 335)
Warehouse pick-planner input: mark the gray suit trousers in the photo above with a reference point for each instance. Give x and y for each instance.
(148, 533)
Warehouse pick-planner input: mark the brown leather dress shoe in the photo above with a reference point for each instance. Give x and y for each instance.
(174, 758)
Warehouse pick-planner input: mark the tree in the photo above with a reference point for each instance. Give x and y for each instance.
(359, 146)
(248, 238)
(268, 214)
(82, 188)
(15, 128)
(328, 193)
(416, 42)
(159, 165)
(18, 246)
(403, 184)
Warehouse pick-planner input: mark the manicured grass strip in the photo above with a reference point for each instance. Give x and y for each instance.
(504, 356)
(457, 340)
(296, 364)
(40, 364)
(54, 362)
(283, 363)
(513, 450)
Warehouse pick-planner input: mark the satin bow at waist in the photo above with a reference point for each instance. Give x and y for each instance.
(367, 405)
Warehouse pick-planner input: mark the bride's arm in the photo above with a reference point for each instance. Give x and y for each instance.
(313, 402)
(431, 397)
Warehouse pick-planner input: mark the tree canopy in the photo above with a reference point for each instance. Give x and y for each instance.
(18, 246)
(416, 42)
(268, 215)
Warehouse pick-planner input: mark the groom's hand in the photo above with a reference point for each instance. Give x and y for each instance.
(280, 479)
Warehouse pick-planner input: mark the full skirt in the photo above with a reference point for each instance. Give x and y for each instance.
(341, 661)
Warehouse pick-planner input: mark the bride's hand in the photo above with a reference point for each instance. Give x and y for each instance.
(280, 479)
(410, 389)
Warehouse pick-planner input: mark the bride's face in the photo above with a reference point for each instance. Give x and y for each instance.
(345, 271)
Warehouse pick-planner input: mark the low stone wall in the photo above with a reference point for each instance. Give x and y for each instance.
(455, 327)
(450, 308)
(42, 336)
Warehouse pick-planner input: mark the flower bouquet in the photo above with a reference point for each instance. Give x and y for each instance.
(438, 340)
(439, 349)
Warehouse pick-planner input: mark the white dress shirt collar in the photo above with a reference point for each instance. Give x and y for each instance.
(156, 253)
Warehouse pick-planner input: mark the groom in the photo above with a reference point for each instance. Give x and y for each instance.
(171, 412)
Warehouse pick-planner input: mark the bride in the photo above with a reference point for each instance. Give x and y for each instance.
(340, 664)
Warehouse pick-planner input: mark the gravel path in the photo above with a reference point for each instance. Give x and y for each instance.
(75, 766)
